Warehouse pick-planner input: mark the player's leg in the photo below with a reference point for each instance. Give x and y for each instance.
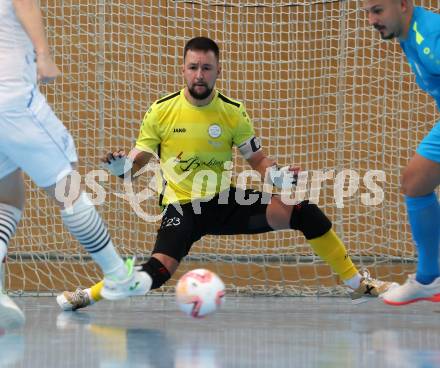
(175, 236)
(258, 217)
(312, 222)
(160, 267)
(43, 148)
(239, 218)
(86, 225)
(317, 229)
(306, 217)
(11, 207)
(419, 180)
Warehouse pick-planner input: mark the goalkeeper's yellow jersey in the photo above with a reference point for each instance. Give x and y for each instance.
(194, 144)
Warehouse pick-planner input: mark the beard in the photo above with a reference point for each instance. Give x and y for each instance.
(199, 96)
(389, 36)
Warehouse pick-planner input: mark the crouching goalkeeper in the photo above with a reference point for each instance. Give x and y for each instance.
(194, 130)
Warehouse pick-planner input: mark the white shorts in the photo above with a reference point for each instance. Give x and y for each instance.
(35, 140)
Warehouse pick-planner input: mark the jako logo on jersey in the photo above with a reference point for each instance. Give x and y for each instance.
(179, 130)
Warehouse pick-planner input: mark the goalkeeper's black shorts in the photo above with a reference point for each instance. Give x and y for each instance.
(240, 212)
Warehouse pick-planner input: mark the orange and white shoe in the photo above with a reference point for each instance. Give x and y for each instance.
(73, 300)
(370, 289)
(413, 291)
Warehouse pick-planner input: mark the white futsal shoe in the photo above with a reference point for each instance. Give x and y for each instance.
(136, 283)
(370, 288)
(10, 315)
(413, 291)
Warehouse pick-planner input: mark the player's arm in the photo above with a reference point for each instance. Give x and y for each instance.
(260, 162)
(29, 15)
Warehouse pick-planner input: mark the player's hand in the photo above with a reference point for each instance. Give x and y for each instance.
(117, 163)
(47, 71)
(285, 177)
(112, 156)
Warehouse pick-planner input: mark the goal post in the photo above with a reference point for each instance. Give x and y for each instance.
(323, 91)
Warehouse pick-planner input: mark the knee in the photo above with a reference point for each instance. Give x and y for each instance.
(67, 191)
(278, 214)
(310, 220)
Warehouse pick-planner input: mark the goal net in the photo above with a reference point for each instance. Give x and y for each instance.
(323, 91)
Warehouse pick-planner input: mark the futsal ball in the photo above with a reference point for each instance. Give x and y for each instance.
(199, 292)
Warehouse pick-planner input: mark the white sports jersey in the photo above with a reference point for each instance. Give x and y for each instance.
(17, 60)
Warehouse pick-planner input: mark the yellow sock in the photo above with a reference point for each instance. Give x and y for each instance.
(331, 249)
(95, 291)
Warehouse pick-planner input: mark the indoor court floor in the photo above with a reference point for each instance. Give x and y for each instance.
(246, 332)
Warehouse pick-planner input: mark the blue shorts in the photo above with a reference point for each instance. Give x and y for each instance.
(430, 145)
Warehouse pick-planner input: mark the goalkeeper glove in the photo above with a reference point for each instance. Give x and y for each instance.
(119, 166)
(283, 178)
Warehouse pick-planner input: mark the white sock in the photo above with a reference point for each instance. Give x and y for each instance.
(354, 282)
(110, 261)
(86, 225)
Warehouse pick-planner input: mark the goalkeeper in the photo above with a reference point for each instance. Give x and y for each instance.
(193, 131)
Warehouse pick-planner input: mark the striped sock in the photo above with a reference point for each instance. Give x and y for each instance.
(86, 225)
(9, 218)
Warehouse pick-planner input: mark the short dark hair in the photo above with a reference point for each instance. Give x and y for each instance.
(202, 44)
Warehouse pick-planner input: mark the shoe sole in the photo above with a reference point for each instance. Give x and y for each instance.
(434, 299)
(11, 317)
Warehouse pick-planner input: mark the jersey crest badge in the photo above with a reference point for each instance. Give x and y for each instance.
(214, 131)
